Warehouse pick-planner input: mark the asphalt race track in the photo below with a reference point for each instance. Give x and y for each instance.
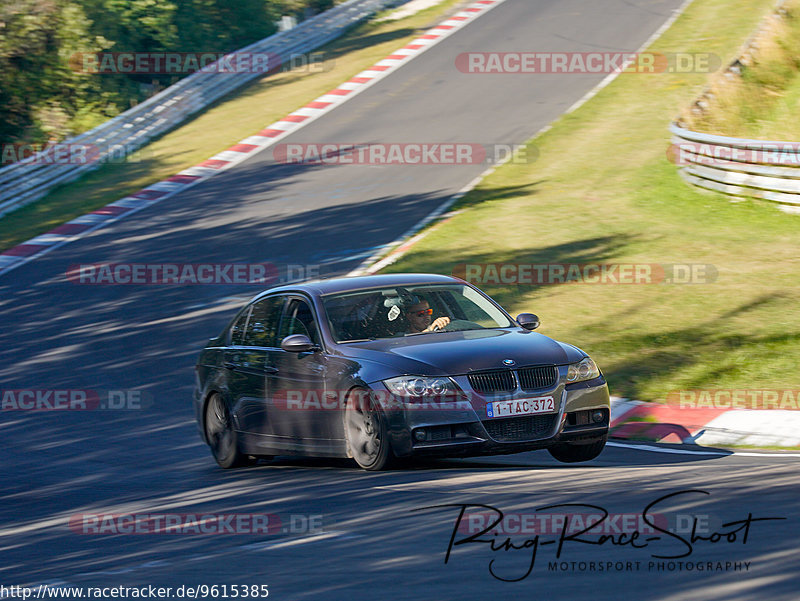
(58, 335)
(376, 538)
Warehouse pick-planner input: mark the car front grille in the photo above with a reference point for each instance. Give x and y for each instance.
(492, 381)
(439, 433)
(503, 380)
(535, 378)
(513, 429)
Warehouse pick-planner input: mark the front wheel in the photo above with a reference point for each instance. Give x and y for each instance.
(366, 431)
(570, 452)
(221, 435)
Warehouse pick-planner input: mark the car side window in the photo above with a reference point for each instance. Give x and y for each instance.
(237, 330)
(298, 319)
(263, 323)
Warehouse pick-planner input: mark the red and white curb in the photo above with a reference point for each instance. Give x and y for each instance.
(155, 193)
(709, 426)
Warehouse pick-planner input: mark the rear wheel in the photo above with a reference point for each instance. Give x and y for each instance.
(571, 452)
(221, 434)
(366, 431)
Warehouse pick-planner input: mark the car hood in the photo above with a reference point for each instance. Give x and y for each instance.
(452, 353)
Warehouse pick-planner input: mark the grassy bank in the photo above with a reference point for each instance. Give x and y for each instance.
(762, 103)
(603, 191)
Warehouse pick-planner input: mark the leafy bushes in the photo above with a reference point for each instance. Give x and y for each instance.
(43, 96)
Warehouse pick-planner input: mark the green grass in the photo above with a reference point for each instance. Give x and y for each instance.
(229, 121)
(603, 191)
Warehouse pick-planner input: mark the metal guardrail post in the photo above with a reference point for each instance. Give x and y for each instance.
(738, 167)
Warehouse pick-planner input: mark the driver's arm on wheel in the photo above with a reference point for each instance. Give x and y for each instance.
(438, 323)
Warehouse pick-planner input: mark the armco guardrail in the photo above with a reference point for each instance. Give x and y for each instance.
(30, 179)
(739, 167)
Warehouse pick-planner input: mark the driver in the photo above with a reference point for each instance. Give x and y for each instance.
(419, 318)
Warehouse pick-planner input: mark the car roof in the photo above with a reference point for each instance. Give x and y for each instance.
(352, 284)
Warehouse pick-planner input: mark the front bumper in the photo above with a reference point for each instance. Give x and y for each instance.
(463, 429)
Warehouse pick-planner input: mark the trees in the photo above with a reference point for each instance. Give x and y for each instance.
(37, 87)
(45, 94)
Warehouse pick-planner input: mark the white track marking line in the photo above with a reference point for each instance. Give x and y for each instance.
(687, 452)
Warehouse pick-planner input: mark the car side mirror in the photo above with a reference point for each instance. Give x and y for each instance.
(529, 321)
(298, 343)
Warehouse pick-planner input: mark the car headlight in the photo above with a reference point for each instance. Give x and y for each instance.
(421, 387)
(583, 370)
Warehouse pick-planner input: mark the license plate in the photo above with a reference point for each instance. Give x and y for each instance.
(543, 404)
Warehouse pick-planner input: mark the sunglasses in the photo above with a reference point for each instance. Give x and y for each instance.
(423, 313)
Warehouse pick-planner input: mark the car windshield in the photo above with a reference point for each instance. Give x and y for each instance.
(410, 310)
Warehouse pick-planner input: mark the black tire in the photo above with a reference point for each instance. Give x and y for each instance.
(221, 435)
(366, 432)
(572, 452)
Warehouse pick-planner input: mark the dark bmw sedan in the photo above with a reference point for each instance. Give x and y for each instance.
(390, 366)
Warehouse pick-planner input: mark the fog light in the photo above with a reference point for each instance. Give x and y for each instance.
(598, 416)
(420, 434)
